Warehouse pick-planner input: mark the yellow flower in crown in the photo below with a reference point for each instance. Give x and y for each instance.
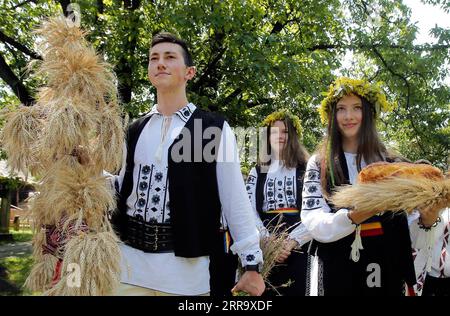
(280, 115)
(345, 86)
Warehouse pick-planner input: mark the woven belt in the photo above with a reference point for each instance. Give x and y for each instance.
(287, 211)
(148, 237)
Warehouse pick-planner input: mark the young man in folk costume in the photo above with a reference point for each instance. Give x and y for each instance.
(359, 253)
(172, 193)
(275, 187)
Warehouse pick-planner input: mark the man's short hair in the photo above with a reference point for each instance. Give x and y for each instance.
(165, 37)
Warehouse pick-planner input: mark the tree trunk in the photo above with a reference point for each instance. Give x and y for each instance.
(5, 210)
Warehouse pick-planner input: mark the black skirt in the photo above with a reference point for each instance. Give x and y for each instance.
(385, 263)
(290, 277)
(436, 286)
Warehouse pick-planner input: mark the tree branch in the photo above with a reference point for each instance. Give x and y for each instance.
(6, 39)
(209, 74)
(23, 3)
(14, 83)
(123, 68)
(374, 46)
(408, 95)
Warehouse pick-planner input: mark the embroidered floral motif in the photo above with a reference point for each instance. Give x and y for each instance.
(155, 199)
(143, 186)
(141, 202)
(158, 176)
(146, 169)
(312, 189)
(310, 203)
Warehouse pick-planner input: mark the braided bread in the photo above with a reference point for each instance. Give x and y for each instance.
(383, 170)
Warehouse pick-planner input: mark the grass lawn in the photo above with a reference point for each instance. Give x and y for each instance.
(17, 270)
(19, 236)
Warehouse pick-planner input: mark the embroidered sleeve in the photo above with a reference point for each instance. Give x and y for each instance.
(316, 215)
(236, 206)
(251, 191)
(300, 234)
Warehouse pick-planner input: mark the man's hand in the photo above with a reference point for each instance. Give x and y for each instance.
(252, 283)
(288, 245)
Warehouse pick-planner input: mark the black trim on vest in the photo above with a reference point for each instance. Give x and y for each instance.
(119, 218)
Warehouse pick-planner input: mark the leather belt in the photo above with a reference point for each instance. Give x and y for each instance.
(155, 238)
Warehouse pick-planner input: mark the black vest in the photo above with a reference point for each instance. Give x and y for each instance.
(259, 198)
(194, 196)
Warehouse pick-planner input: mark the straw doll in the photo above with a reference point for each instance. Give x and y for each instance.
(72, 133)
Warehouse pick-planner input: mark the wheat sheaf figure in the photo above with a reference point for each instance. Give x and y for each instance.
(396, 187)
(73, 132)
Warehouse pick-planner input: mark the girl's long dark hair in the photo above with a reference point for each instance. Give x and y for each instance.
(370, 147)
(293, 154)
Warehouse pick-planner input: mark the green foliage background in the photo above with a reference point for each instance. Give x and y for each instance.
(256, 56)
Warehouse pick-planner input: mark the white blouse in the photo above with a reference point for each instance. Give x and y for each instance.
(280, 191)
(323, 225)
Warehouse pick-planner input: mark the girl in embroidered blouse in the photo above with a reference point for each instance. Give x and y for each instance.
(358, 253)
(274, 187)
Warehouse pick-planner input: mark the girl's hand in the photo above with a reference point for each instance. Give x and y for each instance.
(429, 214)
(288, 246)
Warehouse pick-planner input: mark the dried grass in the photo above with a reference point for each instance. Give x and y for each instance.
(81, 195)
(19, 136)
(41, 274)
(59, 32)
(271, 248)
(98, 259)
(69, 126)
(394, 194)
(110, 140)
(79, 73)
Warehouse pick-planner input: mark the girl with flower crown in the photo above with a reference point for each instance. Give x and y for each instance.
(274, 187)
(358, 253)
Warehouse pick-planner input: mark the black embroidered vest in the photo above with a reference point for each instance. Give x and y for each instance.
(266, 218)
(194, 197)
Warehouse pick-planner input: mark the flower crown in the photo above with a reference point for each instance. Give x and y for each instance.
(280, 116)
(345, 86)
